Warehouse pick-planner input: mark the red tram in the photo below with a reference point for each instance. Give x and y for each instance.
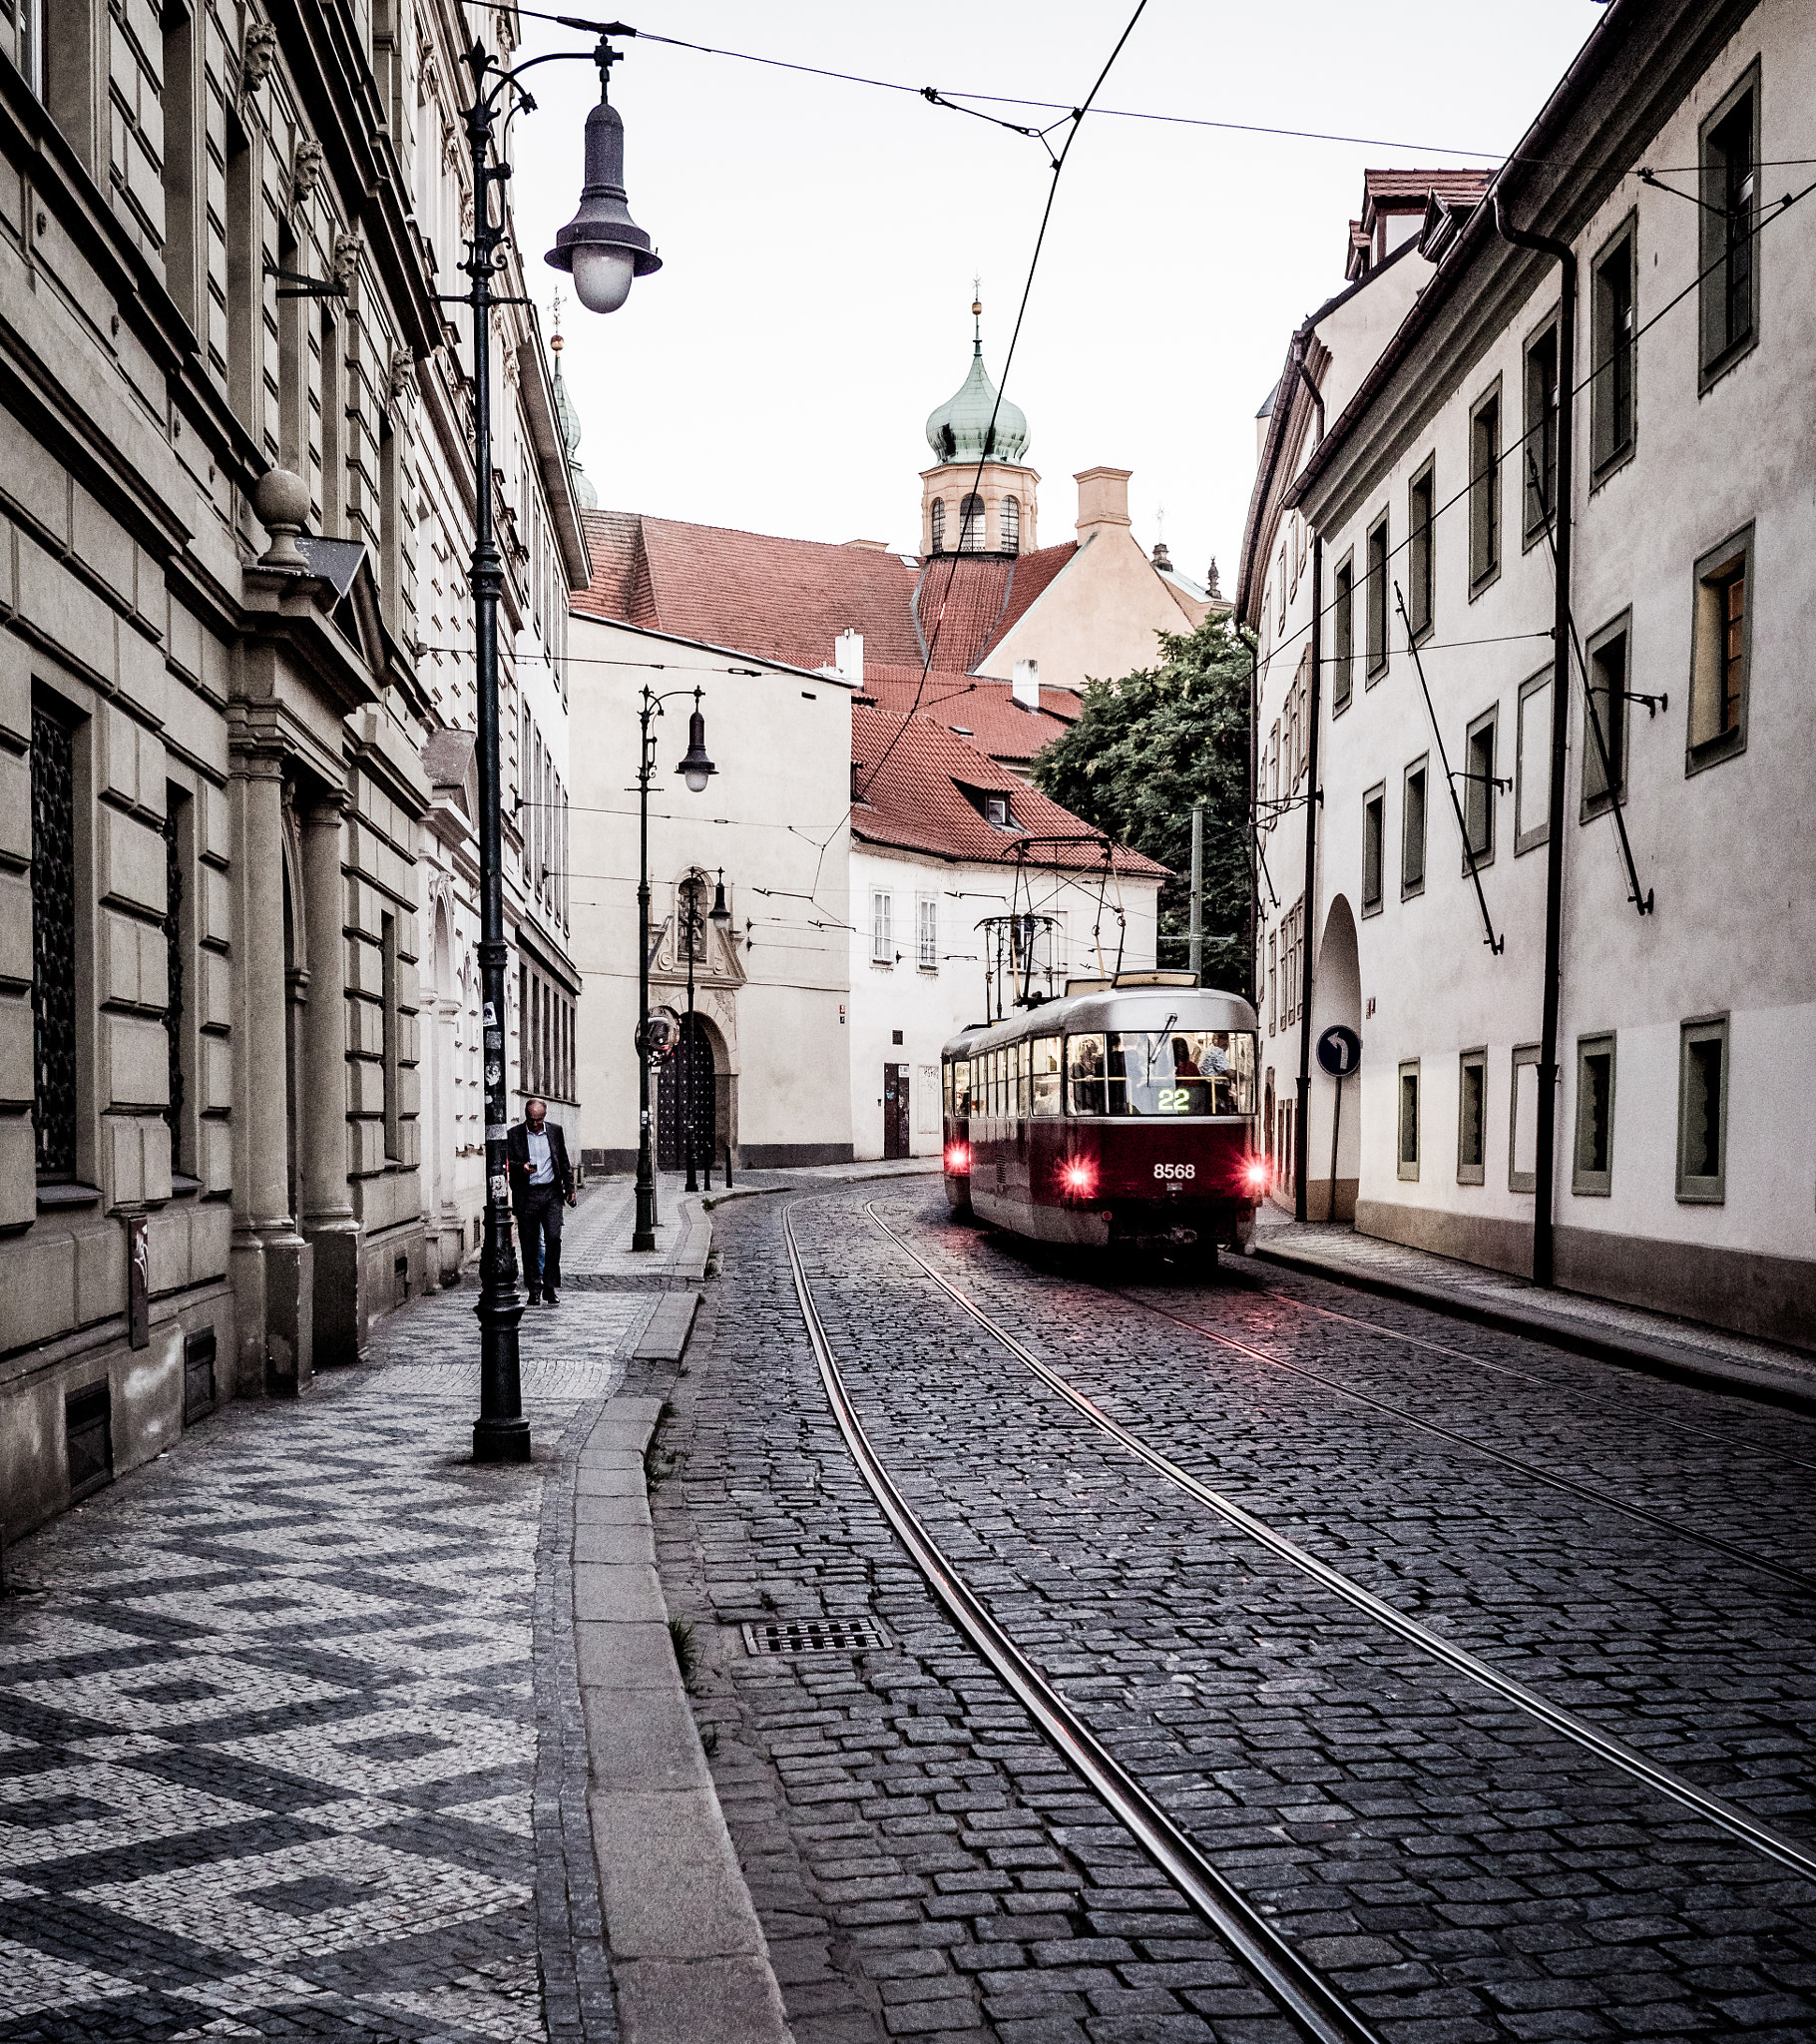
(1124, 1114)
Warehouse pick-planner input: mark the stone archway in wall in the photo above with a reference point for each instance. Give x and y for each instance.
(1336, 997)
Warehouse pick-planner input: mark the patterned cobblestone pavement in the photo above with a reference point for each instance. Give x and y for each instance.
(270, 1713)
(924, 1865)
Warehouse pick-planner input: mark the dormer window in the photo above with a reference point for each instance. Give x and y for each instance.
(991, 803)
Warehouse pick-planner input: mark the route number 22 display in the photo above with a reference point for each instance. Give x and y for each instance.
(1173, 1100)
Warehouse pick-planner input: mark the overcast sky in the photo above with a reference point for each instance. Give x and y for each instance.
(820, 238)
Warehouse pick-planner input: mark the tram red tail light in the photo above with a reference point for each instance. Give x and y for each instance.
(958, 1159)
(1256, 1175)
(1080, 1177)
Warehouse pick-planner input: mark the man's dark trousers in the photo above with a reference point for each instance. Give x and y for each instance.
(539, 1237)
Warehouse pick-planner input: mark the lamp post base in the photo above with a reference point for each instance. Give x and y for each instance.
(501, 1440)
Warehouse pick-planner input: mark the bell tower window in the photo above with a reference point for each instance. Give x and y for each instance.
(1012, 525)
(935, 521)
(971, 525)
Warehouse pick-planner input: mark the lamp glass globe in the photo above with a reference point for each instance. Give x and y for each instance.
(601, 277)
(696, 778)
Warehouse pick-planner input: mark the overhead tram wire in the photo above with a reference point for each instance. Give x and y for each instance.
(1034, 263)
(949, 98)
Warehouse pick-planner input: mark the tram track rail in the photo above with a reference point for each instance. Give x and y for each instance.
(1302, 1993)
(1713, 1809)
(1798, 1578)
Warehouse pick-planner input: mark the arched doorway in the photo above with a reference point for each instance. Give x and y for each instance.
(686, 1096)
(1331, 1177)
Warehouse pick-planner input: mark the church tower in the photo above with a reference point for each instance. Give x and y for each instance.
(965, 509)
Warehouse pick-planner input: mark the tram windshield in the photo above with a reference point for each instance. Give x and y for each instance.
(1161, 1072)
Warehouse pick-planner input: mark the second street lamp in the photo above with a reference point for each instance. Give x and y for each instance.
(695, 768)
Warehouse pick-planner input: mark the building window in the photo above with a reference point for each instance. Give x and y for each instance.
(244, 282)
(936, 522)
(1012, 525)
(1604, 719)
(1342, 632)
(882, 936)
(181, 158)
(1730, 263)
(1702, 1112)
(1471, 1118)
(1612, 331)
(1532, 764)
(1592, 1171)
(1407, 1146)
(525, 1077)
(53, 944)
(175, 909)
(1721, 653)
(1485, 491)
(927, 932)
(971, 525)
(1377, 598)
(1374, 805)
(31, 46)
(1479, 789)
(1421, 597)
(1281, 620)
(1540, 450)
(389, 1033)
(1522, 1121)
(1273, 982)
(1412, 831)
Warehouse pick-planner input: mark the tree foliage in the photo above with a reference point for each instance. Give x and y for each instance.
(1145, 749)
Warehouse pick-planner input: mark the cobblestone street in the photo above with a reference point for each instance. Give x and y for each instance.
(276, 1710)
(925, 1865)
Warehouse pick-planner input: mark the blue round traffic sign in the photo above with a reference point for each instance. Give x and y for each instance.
(1339, 1050)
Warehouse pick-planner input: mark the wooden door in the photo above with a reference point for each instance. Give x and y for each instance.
(896, 1125)
(686, 1089)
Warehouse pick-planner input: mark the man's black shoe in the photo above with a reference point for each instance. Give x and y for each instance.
(551, 1299)
(535, 1298)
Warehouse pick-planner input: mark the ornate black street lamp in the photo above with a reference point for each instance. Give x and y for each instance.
(693, 922)
(605, 249)
(696, 768)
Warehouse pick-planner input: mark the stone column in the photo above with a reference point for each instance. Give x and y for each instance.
(270, 1261)
(327, 1218)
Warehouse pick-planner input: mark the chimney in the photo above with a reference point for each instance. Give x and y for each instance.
(1025, 684)
(1162, 560)
(1103, 498)
(848, 655)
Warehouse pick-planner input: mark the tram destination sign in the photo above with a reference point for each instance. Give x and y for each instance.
(1339, 1050)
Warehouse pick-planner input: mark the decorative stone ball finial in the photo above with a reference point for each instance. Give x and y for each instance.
(281, 500)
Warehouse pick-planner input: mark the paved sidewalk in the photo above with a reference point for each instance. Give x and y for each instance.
(1683, 1350)
(289, 1741)
(596, 1247)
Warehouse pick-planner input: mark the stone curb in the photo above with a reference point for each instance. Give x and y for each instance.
(1658, 1358)
(689, 1957)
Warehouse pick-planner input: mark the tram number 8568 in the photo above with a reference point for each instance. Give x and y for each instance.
(1176, 1171)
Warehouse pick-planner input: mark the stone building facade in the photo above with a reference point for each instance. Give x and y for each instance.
(237, 872)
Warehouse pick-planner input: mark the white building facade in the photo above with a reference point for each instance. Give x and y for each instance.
(1675, 449)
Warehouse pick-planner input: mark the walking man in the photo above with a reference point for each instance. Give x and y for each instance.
(536, 1153)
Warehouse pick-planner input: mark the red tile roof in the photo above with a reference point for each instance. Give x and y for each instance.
(908, 780)
(790, 599)
(1415, 183)
(983, 711)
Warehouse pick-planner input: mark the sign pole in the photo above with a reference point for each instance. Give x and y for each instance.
(1336, 1121)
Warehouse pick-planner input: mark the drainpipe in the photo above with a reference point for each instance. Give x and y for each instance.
(1301, 1131)
(1544, 1248)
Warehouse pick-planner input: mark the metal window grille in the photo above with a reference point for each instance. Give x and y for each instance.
(54, 944)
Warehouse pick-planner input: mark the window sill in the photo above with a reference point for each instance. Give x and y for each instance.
(1594, 806)
(67, 1195)
(1371, 908)
(1716, 1196)
(1485, 582)
(182, 1186)
(1712, 372)
(1471, 1175)
(1712, 751)
(1482, 861)
(1613, 467)
(1412, 892)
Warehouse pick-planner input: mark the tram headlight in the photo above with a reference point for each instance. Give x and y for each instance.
(958, 1159)
(1080, 1177)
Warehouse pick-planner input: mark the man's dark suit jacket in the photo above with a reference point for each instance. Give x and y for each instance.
(517, 1160)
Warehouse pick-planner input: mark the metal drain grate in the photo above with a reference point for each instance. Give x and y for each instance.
(815, 1636)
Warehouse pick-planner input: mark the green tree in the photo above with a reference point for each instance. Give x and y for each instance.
(1145, 749)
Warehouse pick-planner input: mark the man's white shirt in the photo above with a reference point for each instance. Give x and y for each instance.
(542, 1167)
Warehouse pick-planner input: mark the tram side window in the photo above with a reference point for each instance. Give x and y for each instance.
(1085, 1080)
(1018, 1052)
(1044, 1051)
(959, 1070)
